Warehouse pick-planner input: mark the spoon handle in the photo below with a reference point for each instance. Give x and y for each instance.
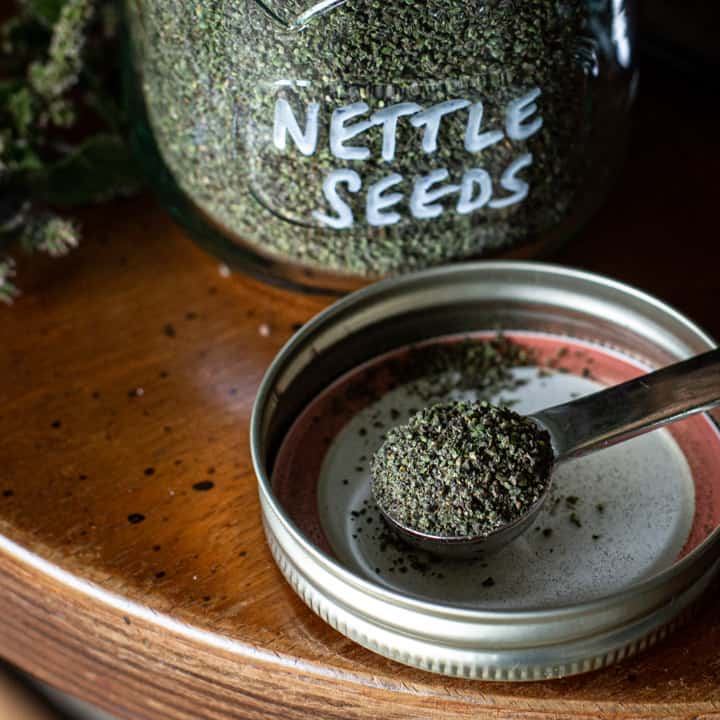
(636, 406)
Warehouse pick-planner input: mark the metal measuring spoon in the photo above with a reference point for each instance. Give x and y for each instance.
(591, 423)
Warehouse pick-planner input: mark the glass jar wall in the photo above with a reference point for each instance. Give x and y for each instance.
(329, 144)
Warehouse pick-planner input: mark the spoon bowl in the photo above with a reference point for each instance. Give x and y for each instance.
(465, 547)
(588, 424)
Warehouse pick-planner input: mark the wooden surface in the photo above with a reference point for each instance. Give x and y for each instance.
(127, 375)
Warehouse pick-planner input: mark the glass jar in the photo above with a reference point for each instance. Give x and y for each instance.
(331, 143)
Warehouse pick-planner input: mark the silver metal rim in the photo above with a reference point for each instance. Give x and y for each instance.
(457, 641)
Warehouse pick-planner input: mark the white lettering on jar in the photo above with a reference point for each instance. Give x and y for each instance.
(518, 111)
(388, 117)
(423, 201)
(510, 181)
(469, 202)
(475, 189)
(286, 122)
(344, 217)
(340, 132)
(431, 118)
(377, 202)
(475, 141)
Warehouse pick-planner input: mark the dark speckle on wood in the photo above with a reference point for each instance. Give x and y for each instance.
(204, 485)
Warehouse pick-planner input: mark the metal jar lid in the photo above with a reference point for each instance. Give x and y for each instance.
(453, 639)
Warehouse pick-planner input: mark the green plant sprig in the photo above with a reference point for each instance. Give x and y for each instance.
(61, 145)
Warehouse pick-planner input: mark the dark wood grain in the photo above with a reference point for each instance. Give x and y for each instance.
(127, 375)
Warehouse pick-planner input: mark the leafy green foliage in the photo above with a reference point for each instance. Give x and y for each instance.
(95, 171)
(7, 272)
(60, 124)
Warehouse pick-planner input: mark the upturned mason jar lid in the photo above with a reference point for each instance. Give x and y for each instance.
(495, 640)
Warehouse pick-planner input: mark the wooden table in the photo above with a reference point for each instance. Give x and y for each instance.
(127, 375)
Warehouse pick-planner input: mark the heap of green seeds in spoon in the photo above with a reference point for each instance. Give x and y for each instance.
(461, 469)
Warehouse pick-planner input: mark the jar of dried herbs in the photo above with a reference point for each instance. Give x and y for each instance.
(330, 143)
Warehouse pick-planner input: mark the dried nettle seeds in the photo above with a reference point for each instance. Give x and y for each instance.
(459, 469)
(374, 137)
